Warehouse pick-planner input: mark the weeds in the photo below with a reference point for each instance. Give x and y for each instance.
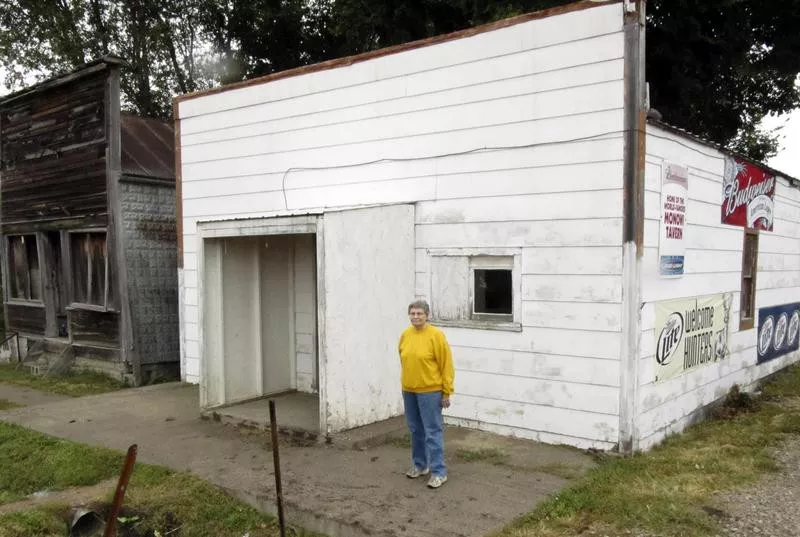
(665, 490)
(490, 455)
(33, 462)
(158, 501)
(558, 469)
(5, 404)
(73, 384)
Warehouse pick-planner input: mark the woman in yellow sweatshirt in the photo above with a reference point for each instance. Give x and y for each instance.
(427, 380)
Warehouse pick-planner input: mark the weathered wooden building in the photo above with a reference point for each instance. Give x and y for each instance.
(88, 226)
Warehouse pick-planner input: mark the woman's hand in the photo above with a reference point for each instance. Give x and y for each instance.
(445, 401)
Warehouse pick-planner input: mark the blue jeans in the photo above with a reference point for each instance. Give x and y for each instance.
(426, 425)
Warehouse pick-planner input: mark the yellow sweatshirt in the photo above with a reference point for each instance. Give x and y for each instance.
(426, 360)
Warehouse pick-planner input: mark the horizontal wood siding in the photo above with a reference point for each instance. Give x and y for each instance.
(26, 319)
(713, 265)
(507, 139)
(53, 155)
(94, 328)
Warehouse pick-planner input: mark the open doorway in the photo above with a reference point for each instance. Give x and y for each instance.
(260, 312)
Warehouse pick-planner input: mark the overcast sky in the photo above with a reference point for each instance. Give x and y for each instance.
(788, 159)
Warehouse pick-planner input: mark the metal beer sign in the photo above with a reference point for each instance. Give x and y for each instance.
(690, 333)
(748, 195)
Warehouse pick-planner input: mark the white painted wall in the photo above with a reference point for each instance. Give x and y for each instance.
(546, 98)
(713, 265)
(305, 308)
(368, 270)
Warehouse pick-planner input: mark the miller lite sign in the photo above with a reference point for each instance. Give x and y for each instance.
(748, 195)
(691, 333)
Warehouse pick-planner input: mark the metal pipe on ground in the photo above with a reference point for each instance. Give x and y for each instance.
(276, 460)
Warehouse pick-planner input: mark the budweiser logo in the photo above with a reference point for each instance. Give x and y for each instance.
(736, 197)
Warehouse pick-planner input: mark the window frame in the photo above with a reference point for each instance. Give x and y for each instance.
(490, 262)
(107, 291)
(748, 322)
(9, 299)
(481, 258)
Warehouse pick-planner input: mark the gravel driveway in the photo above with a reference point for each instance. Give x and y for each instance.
(770, 507)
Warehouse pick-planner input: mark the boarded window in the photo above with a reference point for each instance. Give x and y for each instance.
(478, 288)
(90, 269)
(747, 311)
(24, 274)
(450, 288)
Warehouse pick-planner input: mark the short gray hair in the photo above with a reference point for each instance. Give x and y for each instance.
(420, 305)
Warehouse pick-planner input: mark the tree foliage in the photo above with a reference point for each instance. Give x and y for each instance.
(715, 68)
(718, 67)
(160, 40)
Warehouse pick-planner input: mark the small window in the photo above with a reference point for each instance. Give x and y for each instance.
(24, 274)
(747, 310)
(493, 295)
(90, 283)
(477, 290)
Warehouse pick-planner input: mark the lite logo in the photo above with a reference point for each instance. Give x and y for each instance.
(669, 339)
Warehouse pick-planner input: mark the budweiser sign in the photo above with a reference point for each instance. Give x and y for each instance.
(748, 195)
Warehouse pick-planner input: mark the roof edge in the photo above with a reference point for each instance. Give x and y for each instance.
(84, 70)
(396, 49)
(794, 181)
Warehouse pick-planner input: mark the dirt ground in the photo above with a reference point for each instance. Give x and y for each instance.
(326, 488)
(28, 397)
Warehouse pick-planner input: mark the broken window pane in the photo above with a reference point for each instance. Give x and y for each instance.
(493, 293)
(89, 268)
(24, 274)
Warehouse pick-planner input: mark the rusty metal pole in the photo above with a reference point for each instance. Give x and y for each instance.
(276, 461)
(119, 494)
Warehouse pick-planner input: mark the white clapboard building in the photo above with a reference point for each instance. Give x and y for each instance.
(600, 278)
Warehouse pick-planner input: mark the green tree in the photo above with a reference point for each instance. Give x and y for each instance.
(259, 37)
(718, 67)
(160, 40)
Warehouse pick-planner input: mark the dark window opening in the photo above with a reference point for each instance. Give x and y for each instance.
(90, 269)
(747, 307)
(24, 274)
(493, 292)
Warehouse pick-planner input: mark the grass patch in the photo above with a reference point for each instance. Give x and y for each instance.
(43, 521)
(158, 501)
(74, 384)
(559, 469)
(489, 455)
(664, 490)
(32, 462)
(402, 442)
(5, 404)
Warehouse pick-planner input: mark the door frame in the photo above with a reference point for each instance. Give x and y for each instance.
(309, 223)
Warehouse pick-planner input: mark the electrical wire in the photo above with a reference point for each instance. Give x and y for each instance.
(484, 149)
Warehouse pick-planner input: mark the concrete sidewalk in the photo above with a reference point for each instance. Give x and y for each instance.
(328, 489)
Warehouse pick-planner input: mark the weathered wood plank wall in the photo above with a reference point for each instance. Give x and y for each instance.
(53, 159)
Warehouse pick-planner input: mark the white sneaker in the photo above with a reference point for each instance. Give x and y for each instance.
(437, 481)
(416, 472)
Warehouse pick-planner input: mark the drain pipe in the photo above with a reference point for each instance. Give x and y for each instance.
(633, 221)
